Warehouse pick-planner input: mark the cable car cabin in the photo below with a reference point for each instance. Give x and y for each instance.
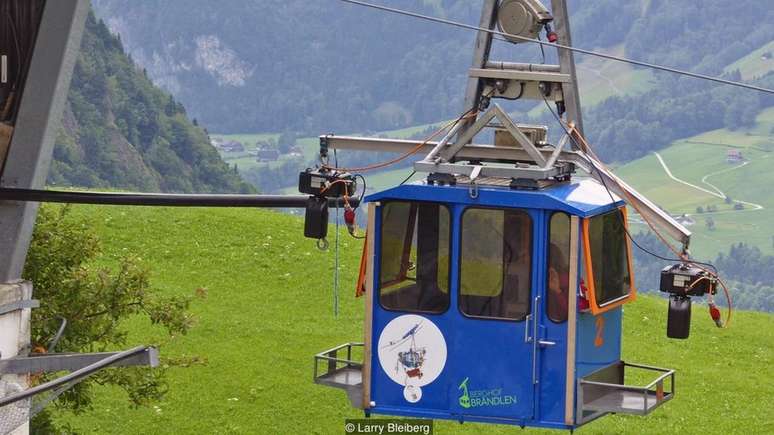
(495, 305)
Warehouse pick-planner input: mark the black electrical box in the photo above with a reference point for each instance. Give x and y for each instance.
(330, 184)
(679, 317)
(316, 221)
(685, 280)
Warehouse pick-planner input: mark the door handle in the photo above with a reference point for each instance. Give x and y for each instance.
(546, 343)
(527, 338)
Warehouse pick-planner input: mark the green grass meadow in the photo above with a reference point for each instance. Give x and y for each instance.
(269, 308)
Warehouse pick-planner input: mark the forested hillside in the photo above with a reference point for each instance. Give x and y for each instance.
(120, 131)
(313, 67)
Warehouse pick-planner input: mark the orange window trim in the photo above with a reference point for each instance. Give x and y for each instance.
(595, 308)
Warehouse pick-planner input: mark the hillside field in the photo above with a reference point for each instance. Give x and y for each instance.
(269, 308)
(700, 160)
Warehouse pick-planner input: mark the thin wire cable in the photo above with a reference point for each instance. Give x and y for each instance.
(336, 269)
(560, 46)
(407, 178)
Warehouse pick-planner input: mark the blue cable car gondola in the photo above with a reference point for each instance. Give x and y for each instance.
(497, 307)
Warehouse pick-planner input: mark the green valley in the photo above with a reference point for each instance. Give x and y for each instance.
(702, 161)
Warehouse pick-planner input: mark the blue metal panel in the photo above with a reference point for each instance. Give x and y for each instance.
(387, 393)
(583, 198)
(598, 341)
(493, 363)
(553, 359)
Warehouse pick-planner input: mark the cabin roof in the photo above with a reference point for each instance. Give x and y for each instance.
(582, 197)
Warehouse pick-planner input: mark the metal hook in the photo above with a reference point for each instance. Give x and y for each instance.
(473, 191)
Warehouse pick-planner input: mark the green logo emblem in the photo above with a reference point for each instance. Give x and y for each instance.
(480, 398)
(465, 398)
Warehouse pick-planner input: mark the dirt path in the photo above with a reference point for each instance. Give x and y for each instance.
(716, 192)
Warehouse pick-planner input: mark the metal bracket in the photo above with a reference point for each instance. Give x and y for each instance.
(70, 362)
(19, 305)
(81, 365)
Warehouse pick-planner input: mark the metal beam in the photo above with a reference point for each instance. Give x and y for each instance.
(567, 63)
(163, 199)
(475, 171)
(76, 376)
(485, 153)
(526, 76)
(480, 56)
(70, 362)
(42, 104)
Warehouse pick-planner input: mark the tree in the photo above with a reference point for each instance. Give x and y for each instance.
(286, 141)
(94, 300)
(710, 223)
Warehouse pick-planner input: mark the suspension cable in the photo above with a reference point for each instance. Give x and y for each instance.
(560, 46)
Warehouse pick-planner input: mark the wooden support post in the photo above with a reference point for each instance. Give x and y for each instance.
(572, 320)
(368, 318)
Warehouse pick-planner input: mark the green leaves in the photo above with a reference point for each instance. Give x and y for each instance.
(64, 263)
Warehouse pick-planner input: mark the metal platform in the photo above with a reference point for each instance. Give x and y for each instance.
(605, 391)
(343, 373)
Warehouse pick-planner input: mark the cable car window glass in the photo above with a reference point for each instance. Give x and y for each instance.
(496, 264)
(558, 281)
(415, 255)
(609, 257)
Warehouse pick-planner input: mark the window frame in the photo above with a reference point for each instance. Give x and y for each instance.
(378, 277)
(459, 295)
(590, 283)
(548, 263)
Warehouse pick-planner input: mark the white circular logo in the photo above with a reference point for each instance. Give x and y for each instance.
(412, 352)
(412, 394)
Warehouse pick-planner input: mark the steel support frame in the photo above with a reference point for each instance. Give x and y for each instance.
(480, 57)
(40, 112)
(70, 362)
(478, 152)
(570, 90)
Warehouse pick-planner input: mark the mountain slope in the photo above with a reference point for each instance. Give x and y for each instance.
(270, 309)
(120, 131)
(248, 67)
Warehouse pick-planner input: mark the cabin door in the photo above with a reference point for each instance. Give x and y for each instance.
(493, 347)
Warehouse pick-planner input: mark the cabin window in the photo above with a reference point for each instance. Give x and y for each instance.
(415, 256)
(496, 264)
(558, 280)
(608, 260)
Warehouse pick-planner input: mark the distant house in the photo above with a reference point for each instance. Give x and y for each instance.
(296, 151)
(267, 155)
(232, 146)
(766, 56)
(734, 156)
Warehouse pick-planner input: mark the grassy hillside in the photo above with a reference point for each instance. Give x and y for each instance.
(755, 64)
(269, 309)
(702, 159)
